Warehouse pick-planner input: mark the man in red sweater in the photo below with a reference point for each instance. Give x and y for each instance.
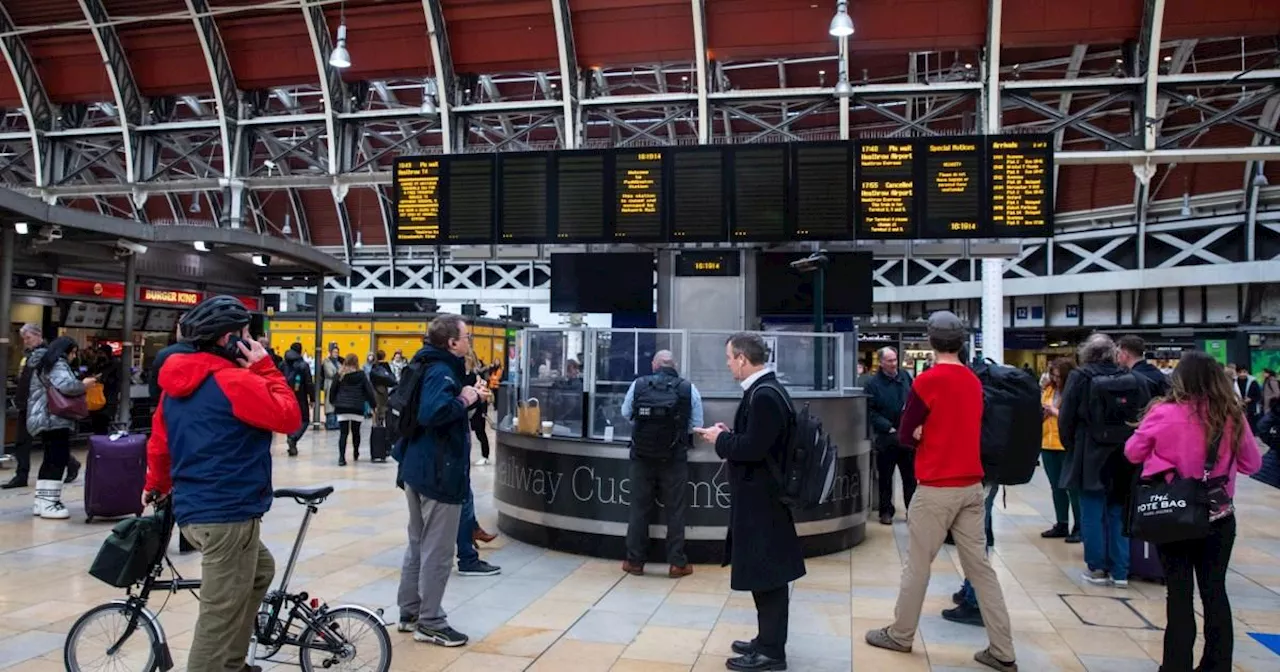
(943, 420)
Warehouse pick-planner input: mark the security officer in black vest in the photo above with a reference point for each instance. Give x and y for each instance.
(664, 408)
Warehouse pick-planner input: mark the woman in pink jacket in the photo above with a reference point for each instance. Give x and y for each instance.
(1174, 435)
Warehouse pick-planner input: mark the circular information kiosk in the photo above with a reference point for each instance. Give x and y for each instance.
(562, 464)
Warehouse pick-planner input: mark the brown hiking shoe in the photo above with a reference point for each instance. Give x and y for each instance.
(482, 536)
(676, 572)
(634, 570)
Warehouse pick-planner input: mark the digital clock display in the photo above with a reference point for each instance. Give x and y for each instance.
(726, 264)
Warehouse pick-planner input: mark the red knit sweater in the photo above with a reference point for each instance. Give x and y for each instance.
(947, 401)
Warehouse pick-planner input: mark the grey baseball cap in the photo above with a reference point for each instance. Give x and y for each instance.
(944, 326)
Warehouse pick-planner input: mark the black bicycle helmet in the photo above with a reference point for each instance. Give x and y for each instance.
(214, 318)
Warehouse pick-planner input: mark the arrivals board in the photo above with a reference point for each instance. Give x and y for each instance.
(822, 188)
(759, 194)
(638, 196)
(522, 183)
(952, 189)
(1021, 186)
(581, 198)
(468, 207)
(886, 189)
(697, 181)
(417, 193)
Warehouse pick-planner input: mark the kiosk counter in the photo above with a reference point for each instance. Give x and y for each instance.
(566, 485)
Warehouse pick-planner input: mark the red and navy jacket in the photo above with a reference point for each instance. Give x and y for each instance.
(211, 436)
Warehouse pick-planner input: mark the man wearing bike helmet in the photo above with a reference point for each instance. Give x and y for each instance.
(211, 447)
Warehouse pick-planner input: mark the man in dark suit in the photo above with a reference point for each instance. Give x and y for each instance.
(762, 545)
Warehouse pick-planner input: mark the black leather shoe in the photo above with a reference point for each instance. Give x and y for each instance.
(754, 662)
(886, 519)
(18, 481)
(743, 648)
(73, 472)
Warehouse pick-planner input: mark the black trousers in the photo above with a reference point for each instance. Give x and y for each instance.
(351, 427)
(305, 412)
(649, 478)
(1186, 564)
(889, 456)
(57, 454)
(772, 613)
(480, 426)
(21, 450)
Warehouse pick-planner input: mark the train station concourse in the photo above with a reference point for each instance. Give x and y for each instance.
(609, 335)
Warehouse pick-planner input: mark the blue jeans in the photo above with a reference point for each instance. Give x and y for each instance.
(1102, 531)
(971, 597)
(467, 553)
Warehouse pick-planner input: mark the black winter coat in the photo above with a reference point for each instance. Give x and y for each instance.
(1090, 467)
(1158, 381)
(351, 392)
(298, 375)
(762, 545)
(886, 397)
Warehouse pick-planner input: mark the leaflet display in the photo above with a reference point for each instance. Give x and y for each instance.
(697, 179)
(638, 196)
(522, 180)
(581, 201)
(469, 199)
(759, 194)
(886, 190)
(417, 191)
(822, 179)
(953, 206)
(1021, 186)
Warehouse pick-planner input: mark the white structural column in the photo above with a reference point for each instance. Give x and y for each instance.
(700, 61)
(568, 71)
(992, 269)
(1152, 26)
(844, 101)
(442, 64)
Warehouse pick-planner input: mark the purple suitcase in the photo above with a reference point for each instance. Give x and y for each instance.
(115, 474)
(1144, 561)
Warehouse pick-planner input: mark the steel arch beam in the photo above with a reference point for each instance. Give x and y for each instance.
(446, 80)
(568, 73)
(124, 87)
(36, 106)
(699, 9)
(336, 101)
(225, 92)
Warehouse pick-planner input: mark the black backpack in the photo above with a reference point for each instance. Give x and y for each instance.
(660, 408)
(402, 404)
(1113, 404)
(1011, 423)
(808, 475)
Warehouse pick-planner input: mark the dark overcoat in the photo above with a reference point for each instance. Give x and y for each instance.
(762, 545)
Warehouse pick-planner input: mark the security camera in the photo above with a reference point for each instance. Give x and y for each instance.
(53, 232)
(811, 263)
(130, 247)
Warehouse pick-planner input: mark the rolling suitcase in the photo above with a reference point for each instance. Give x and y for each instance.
(115, 474)
(378, 445)
(1144, 561)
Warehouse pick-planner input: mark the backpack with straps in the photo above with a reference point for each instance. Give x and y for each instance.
(808, 473)
(660, 408)
(402, 404)
(1113, 404)
(1011, 423)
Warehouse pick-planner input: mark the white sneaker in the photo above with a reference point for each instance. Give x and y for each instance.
(1120, 583)
(48, 501)
(481, 462)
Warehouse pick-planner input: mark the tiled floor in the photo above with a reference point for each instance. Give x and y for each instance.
(561, 613)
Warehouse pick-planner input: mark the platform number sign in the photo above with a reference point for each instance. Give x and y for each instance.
(1021, 312)
(1073, 310)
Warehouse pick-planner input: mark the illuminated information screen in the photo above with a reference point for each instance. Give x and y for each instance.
(697, 213)
(886, 190)
(417, 191)
(953, 204)
(638, 194)
(823, 188)
(1021, 185)
(580, 200)
(469, 210)
(759, 194)
(524, 198)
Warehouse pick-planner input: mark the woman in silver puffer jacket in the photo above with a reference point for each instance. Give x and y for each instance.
(53, 368)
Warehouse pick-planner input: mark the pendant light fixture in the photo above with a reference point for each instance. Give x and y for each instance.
(341, 58)
(841, 23)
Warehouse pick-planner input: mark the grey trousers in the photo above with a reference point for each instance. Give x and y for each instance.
(428, 561)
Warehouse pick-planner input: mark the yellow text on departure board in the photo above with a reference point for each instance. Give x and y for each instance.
(639, 192)
(1019, 187)
(418, 204)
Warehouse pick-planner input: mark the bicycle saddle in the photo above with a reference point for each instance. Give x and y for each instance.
(307, 496)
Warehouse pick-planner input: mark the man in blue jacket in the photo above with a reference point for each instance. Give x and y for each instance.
(435, 470)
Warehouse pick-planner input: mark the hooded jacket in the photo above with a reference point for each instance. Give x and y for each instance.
(39, 419)
(434, 460)
(211, 436)
(154, 383)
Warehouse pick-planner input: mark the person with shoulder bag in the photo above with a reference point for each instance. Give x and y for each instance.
(350, 391)
(1199, 436)
(55, 407)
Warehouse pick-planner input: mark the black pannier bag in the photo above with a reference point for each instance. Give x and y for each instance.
(130, 551)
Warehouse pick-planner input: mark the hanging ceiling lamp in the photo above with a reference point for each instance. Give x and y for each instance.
(841, 23)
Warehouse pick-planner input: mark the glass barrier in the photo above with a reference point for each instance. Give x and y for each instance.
(620, 357)
(555, 377)
(803, 362)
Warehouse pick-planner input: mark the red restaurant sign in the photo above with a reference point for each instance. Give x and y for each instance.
(90, 289)
(114, 291)
(176, 297)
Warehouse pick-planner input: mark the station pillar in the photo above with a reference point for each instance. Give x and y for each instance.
(6, 307)
(993, 309)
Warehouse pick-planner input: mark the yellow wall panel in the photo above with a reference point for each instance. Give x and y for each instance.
(389, 343)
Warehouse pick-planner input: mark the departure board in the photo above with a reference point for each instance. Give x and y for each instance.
(581, 202)
(523, 180)
(697, 179)
(886, 190)
(823, 186)
(638, 195)
(759, 194)
(953, 206)
(1021, 186)
(469, 206)
(417, 193)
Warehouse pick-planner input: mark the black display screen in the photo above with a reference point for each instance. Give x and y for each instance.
(602, 283)
(784, 291)
(638, 196)
(822, 178)
(952, 189)
(417, 196)
(886, 190)
(700, 263)
(759, 194)
(1021, 186)
(523, 180)
(697, 180)
(581, 198)
(469, 199)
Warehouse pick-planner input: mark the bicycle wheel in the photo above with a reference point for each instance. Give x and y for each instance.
(365, 644)
(99, 629)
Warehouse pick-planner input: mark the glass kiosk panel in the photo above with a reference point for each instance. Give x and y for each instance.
(621, 356)
(555, 377)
